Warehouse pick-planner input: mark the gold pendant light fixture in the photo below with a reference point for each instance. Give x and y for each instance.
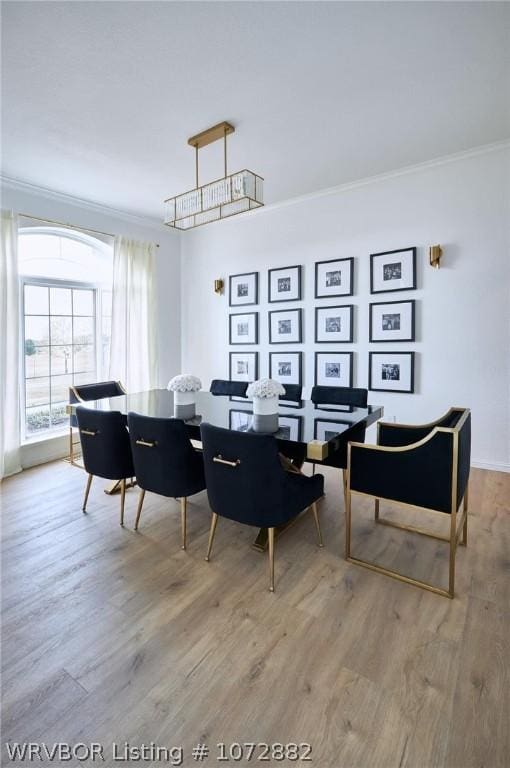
(232, 194)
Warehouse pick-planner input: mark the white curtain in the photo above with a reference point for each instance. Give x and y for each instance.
(9, 348)
(133, 357)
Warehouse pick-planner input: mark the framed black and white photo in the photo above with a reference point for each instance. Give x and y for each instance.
(290, 428)
(244, 289)
(244, 366)
(391, 371)
(286, 367)
(284, 284)
(333, 369)
(286, 326)
(333, 325)
(334, 278)
(244, 328)
(240, 421)
(392, 321)
(393, 271)
(329, 429)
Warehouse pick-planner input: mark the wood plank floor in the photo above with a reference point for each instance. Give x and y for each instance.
(111, 635)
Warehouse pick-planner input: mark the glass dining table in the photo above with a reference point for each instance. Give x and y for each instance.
(316, 434)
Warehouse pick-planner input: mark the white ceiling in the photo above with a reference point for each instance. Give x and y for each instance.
(99, 98)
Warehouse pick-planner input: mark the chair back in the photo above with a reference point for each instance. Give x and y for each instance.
(293, 393)
(105, 443)
(84, 393)
(245, 480)
(225, 387)
(463, 453)
(164, 458)
(339, 396)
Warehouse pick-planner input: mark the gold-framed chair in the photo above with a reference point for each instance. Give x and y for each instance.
(420, 466)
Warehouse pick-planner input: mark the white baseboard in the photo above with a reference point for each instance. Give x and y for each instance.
(493, 466)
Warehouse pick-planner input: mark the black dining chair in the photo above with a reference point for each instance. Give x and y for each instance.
(246, 483)
(339, 396)
(225, 387)
(105, 448)
(350, 396)
(422, 466)
(165, 461)
(83, 393)
(293, 393)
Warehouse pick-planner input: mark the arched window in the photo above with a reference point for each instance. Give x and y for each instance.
(66, 298)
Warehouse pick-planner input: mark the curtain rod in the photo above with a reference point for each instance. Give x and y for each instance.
(69, 226)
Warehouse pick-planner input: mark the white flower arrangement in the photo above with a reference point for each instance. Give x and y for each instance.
(264, 388)
(185, 382)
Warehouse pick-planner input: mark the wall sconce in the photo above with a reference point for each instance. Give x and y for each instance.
(218, 287)
(435, 253)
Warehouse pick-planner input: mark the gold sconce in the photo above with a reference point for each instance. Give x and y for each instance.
(218, 287)
(435, 253)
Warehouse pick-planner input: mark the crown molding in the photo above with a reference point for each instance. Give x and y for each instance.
(18, 185)
(50, 194)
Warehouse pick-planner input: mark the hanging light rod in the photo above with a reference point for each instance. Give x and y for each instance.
(220, 131)
(232, 194)
(69, 226)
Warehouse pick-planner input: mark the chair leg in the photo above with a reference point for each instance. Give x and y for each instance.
(348, 502)
(376, 509)
(464, 531)
(212, 531)
(270, 539)
(315, 513)
(453, 550)
(122, 499)
(71, 452)
(313, 468)
(184, 504)
(139, 509)
(87, 490)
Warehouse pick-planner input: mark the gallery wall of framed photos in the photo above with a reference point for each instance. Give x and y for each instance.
(336, 342)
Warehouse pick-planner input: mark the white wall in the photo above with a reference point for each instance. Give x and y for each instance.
(463, 315)
(61, 208)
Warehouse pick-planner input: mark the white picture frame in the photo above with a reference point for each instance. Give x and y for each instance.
(334, 325)
(243, 366)
(391, 371)
(243, 289)
(393, 271)
(333, 369)
(243, 328)
(284, 284)
(286, 326)
(286, 367)
(392, 321)
(334, 278)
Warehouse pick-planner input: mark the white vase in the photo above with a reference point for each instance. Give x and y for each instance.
(265, 406)
(265, 414)
(184, 405)
(184, 398)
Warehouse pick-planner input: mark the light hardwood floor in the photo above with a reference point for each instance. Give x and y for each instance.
(111, 635)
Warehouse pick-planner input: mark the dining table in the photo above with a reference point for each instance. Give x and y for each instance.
(305, 429)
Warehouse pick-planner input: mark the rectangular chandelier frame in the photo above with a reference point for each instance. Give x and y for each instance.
(222, 198)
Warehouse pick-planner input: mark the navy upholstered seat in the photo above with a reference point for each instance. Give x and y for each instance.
(85, 393)
(105, 447)
(339, 396)
(246, 483)
(165, 461)
(423, 466)
(293, 393)
(225, 387)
